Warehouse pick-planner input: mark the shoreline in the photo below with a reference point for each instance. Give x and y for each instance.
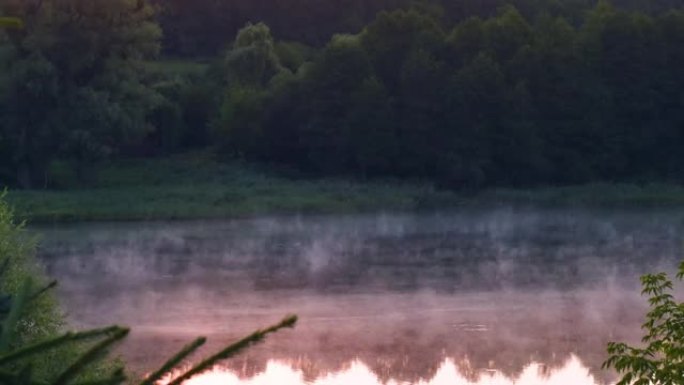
(203, 202)
(197, 187)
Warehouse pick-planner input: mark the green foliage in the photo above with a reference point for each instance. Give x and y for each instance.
(503, 100)
(372, 140)
(239, 121)
(148, 189)
(469, 95)
(34, 351)
(312, 22)
(251, 67)
(29, 314)
(331, 83)
(18, 267)
(392, 37)
(11, 22)
(71, 81)
(188, 101)
(506, 34)
(15, 369)
(253, 60)
(292, 54)
(661, 360)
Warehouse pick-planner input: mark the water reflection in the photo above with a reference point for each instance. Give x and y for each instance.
(573, 372)
(399, 292)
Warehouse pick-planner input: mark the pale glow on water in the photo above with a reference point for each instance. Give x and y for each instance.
(279, 373)
(396, 292)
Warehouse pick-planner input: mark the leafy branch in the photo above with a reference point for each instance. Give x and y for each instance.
(14, 368)
(11, 22)
(234, 349)
(661, 360)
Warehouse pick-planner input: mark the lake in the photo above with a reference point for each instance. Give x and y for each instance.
(478, 296)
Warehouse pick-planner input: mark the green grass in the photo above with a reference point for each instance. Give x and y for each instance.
(592, 195)
(195, 186)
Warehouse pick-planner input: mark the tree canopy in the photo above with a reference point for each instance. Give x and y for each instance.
(469, 95)
(70, 83)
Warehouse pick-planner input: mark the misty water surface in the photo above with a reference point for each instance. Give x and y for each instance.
(395, 297)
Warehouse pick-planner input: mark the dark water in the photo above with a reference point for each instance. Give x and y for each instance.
(489, 291)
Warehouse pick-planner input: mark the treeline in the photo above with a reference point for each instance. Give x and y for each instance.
(537, 93)
(204, 27)
(497, 101)
(71, 84)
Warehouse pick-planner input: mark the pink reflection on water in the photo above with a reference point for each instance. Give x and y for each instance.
(280, 373)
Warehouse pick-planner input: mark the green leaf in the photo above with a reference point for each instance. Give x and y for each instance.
(11, 22)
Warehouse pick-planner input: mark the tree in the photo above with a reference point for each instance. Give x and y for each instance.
(473, 101)
(466, 41)
(560, 93)
(71, 81)
(293, 55)
(393, 37)
(534, 92)
(623, 52)
(419, 113)
(250, 68)
(311, 22)
(661, 360)
(330, 86)
(670, 80)
(506, 34)
(253, 60)
(239, 124)
(372, 135)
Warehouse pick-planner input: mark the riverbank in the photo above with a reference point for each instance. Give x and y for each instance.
(198, 187)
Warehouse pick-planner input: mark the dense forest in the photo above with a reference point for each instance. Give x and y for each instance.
(469, 93)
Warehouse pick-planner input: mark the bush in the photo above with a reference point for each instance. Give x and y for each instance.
(33, 350)
(41, 317)
(661, 361)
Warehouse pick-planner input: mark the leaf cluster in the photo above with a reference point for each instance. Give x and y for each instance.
(33, 350)
(17, 360)
(661, 360)
(11, 22)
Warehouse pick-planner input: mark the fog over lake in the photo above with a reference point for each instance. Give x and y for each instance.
(495, 296)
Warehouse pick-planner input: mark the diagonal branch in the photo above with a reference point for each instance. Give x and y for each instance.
(234, 349)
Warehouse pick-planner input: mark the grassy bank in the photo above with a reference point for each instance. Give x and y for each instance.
(197, 187)
(603, 195)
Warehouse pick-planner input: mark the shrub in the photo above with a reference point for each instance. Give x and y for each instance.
(661, 360)
(33, 348)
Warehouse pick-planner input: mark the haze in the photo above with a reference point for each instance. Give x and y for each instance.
(400, 294)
